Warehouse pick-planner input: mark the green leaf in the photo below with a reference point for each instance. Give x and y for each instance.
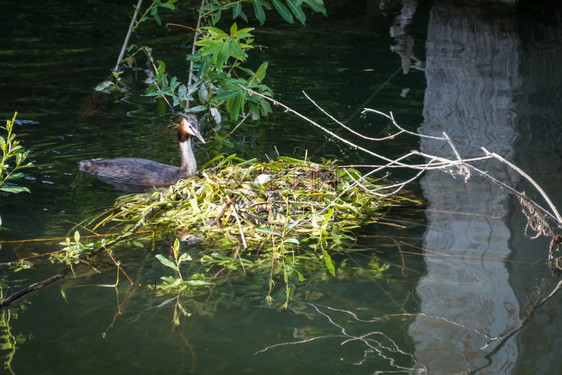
(268, 231)
(227, 95)
(154, 13)
(169, 5)
(244, 33)
(216, 33)
(14, 189)
(198, 283)
(328, 217)
(210, 48)
(293, 241)
(316, 5)
(283, 11)
(235, 105)
(223, 55)
(255, 109)
(259, 12)
(165, 261)
(266, 107)
(294, 5)
(293, 225)
(15, 176)
(329, 263)
(228, 143)
(236, 10)
(260, 73)
(216, 16)
(236, 51)
(138, 244)
(161, 67)
(243, 16)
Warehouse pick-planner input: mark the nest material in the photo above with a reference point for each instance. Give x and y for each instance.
(246, 202)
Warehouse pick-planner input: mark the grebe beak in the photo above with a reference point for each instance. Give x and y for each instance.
(198, 135)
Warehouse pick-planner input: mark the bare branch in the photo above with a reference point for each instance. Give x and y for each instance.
(533, 182)
(536, 214)
(128, 36)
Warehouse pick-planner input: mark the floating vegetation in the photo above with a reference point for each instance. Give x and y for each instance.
(279, 220)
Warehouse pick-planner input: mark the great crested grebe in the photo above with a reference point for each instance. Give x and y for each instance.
(134, 174)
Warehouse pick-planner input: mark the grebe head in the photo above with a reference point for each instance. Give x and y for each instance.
(189, 126)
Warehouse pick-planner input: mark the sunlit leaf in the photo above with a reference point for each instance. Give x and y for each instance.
(198, 283)
(14, 189)
(293, 225)
(244, 33)
(165, 261)
(293, 241)
(328, 262)
(176, 249)
(268, 231)
(15, 176)
(259, 75)
(217, 33)
(104, 86)
(328, 216)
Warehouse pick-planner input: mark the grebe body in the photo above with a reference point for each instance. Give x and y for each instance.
(135, 174)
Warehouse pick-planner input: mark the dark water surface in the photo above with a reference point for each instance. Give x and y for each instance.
(462, 270)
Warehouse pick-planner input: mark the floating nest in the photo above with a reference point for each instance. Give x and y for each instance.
(288, 217)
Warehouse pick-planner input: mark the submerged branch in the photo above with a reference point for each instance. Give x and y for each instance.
(104, 246)
(501, 339)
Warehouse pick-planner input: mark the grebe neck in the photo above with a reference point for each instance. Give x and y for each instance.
(188, 162)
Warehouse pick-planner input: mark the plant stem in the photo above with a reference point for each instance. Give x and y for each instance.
(126, 42)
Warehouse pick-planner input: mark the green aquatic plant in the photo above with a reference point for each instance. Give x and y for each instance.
(242, 231)
(9, 340)
(13, 160)
(73, 251)
(286, 219)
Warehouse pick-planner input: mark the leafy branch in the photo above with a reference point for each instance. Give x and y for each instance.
(13, 160)
(218, 82)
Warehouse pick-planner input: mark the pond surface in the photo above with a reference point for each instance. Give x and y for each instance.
(461, 269)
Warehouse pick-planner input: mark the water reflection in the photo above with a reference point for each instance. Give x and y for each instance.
(476, 93)
(492, 81)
